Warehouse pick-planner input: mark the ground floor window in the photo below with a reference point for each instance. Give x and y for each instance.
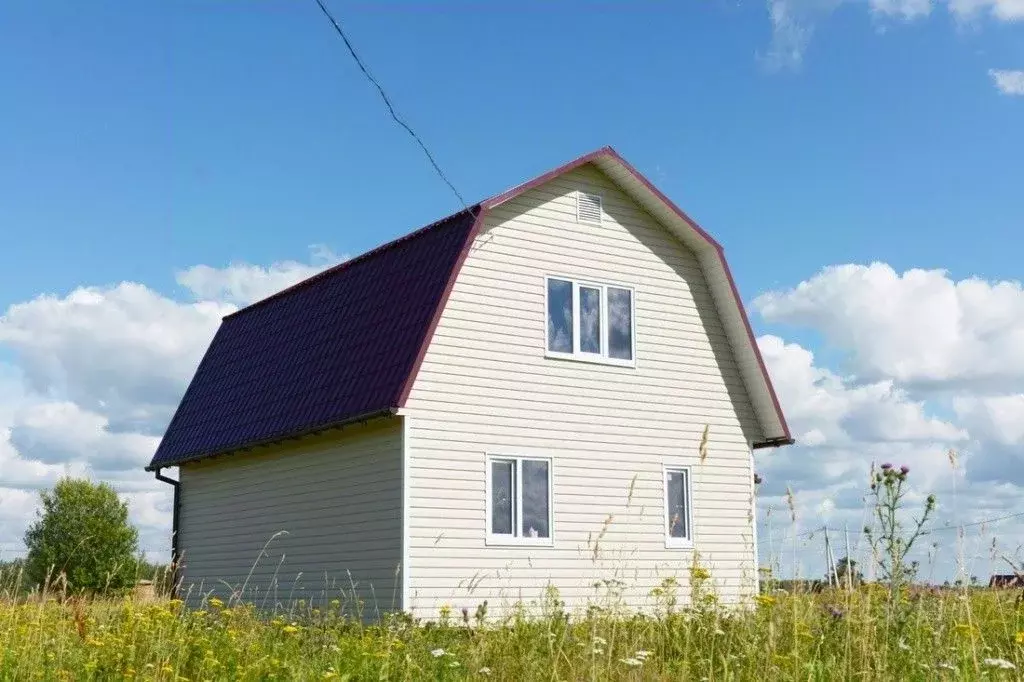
(678, 500)
(518, 500)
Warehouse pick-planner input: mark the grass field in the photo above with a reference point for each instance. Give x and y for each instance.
(962, 634)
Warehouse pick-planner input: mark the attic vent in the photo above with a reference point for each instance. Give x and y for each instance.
(588, 207)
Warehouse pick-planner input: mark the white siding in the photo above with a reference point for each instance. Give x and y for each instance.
(338, 497)
(485, 386)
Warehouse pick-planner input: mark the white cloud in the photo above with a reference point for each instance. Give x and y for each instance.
(794, 22)
(1002, 10)
(904, 9)
(241, 283)
(98, 373)
(935, 364)
(919, 328)
(1008, 82)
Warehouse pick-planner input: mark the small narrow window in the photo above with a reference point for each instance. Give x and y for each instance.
(518, 500)
(590, 321)
(678, 529)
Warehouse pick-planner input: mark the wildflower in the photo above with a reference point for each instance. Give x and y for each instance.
(216, 603)
(764, 599)
(642, 654)
(598, 650)
(1000, 663)
(632, 662)
(601, 641)
(835, 612)
(335, 603)
(886, 466)
(484, 671)
(453, 664)
(290, 629)
(946, 666)
(904, 470)
(903, 645)
(1020, 638)
(437, 653)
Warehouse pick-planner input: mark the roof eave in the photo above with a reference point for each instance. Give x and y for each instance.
(196, 457)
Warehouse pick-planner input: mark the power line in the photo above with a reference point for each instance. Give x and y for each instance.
(387, 101)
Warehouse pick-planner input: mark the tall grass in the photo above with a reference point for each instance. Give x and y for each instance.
(863, 634)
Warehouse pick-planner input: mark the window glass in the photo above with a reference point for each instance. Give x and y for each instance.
(503, 473)
(677, 504)
(590, 320)
(536, 514)
(620, 323)
(560, 316)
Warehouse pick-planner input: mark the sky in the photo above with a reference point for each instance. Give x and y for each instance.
(862, 162)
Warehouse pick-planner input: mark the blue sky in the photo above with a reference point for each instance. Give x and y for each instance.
(142, 139)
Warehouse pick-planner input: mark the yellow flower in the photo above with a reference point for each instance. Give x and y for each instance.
(216, 603)
(289, 629)
(765, 599)
(1020, 638)
(167, 668)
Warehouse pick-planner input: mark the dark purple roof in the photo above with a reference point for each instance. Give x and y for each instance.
(337, 347)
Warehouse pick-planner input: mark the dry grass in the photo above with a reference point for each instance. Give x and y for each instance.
(864, 635)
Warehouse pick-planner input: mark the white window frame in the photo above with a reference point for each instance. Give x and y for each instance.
(674, 542)
(516, 539)
(600, 358)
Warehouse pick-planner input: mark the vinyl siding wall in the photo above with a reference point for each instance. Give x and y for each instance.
(486, 387)
(338, 497)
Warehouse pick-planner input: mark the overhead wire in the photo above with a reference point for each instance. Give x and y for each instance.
(387, 101)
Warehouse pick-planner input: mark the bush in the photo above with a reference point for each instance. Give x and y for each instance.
(82, 537)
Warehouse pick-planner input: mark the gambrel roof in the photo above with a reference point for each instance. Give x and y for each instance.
(345, 345)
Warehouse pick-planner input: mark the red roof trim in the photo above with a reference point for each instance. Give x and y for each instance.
(442, 302)
(609, 152)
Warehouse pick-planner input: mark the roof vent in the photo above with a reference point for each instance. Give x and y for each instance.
(588, 208)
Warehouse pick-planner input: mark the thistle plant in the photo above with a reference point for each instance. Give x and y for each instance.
(891, 539)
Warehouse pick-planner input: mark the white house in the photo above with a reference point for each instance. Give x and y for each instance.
(511, 398)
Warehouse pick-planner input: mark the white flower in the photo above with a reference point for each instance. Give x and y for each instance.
(484, 670)
(903, 645)
(632, 662)
(437, 653)
(1000, 663)
(643, 654)
(600, 640)
(598, 650)
(946, 666)
(453, 664)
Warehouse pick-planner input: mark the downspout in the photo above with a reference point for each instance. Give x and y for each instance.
(175, 513)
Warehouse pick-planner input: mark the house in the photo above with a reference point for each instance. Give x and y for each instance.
(511, 398)
(1006, 580)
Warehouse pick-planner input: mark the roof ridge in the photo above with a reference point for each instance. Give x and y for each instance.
(375, 251)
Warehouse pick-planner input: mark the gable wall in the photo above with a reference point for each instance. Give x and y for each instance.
(339, 498)
(485, 386)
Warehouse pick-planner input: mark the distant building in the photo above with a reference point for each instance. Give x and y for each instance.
(1006, 580)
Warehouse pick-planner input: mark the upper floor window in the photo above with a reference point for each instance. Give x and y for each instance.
(590, 321)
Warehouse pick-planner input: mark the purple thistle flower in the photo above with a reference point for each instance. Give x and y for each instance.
(904, 470)
(886, 466)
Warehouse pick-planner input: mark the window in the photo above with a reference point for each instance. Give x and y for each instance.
(678, 498)
(588, 321)
(518, 500)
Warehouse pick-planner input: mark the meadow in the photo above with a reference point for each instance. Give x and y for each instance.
(864, 633)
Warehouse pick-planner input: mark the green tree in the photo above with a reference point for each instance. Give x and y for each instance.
(82, 532)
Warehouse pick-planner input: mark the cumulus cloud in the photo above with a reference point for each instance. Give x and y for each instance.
(1008, 82)
(933, 365)
(241, 283)
(97, 374)
(920, 328)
